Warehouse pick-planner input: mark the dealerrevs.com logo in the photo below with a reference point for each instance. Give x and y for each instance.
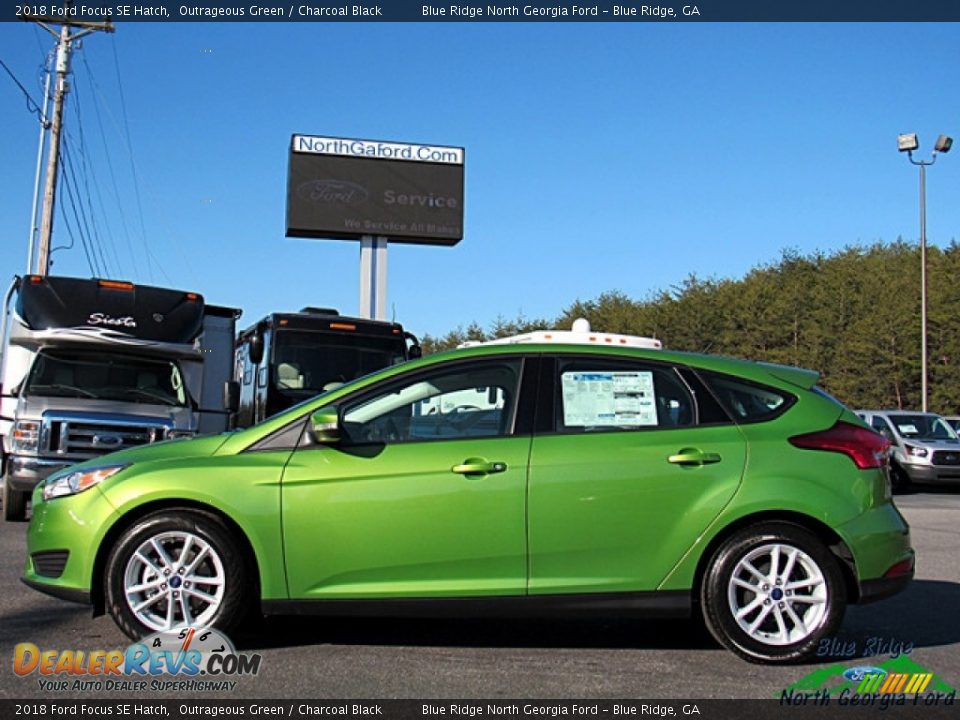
(198, 660)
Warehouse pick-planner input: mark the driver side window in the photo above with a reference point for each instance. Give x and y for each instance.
(470, 401)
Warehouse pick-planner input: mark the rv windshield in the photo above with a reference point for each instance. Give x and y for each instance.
(106, 376)
(306, 362)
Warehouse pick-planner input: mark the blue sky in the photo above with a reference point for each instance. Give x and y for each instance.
(598, 156)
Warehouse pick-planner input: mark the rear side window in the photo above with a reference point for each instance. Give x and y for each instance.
(748, 402)
(597, 394)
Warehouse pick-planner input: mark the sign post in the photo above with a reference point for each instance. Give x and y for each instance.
(373, 277)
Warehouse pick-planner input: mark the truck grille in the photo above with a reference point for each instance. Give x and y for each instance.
(85, 437)
(946, 457)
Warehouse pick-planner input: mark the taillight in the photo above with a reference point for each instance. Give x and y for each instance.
(866, 448)
(904, 567)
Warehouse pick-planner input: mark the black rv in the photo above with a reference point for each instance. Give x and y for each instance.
(289, 357)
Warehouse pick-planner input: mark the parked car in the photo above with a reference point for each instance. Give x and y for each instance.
(925, 447)
(585, 472)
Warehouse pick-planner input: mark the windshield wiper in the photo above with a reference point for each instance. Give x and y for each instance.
(153, 395)
(36, 389)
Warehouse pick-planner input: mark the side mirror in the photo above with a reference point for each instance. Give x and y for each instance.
(231, 396)
(256, 348)
(414, 350)
(325, 425)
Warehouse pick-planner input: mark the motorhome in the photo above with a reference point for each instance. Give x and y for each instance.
(91, 366)
(288, 357)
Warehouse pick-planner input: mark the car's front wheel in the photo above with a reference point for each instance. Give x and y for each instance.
(175, 568)
(772, 592)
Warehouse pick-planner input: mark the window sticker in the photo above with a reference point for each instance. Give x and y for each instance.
(908, 429)
(608, 399)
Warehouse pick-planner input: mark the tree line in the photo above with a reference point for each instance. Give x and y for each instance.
(853, 315)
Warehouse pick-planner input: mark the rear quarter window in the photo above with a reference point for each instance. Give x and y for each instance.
(745, 401)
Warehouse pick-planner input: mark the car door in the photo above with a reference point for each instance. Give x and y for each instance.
(424, 495)
(631, 469)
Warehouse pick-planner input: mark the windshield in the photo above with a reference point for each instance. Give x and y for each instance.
(923, 427)
(106, 376)
(306, 363)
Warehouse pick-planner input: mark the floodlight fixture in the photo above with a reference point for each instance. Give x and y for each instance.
(944, 143)
(908, 142)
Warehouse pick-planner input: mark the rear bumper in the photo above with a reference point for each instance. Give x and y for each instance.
(881, 588)
(883, 557)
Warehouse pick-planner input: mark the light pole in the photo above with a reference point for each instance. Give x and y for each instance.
(907, 143)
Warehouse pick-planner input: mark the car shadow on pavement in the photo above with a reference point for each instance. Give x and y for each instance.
(921, 616)
(27, 624)
(882, 626)
(275, 632)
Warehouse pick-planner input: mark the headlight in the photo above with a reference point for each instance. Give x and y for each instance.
(78, 481)
(914, 451)
(26, 434)
(175, 434)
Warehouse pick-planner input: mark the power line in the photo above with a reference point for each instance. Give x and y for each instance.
(73, 205)
(170, 237)
(88, 223)
(101, 100)
(88, 178)
(31, 103)
(133, 168)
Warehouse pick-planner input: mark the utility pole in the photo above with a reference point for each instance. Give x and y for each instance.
(65, 40)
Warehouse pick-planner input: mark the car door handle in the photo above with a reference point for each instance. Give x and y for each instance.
(478, 466)
(692, 456)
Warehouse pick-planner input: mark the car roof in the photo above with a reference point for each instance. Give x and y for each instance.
(899, 412)
(761, 371)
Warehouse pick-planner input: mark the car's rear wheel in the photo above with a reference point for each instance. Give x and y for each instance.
(772, 592)
(175, 568)
(14, 503)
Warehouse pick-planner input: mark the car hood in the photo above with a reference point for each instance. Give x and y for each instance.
(934, 444)
(165, 450)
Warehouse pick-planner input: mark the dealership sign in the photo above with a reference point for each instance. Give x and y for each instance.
(348, 189)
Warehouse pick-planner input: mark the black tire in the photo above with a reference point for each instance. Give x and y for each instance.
(899, 480)
(14, 503)
(221, 560)
(819, 606)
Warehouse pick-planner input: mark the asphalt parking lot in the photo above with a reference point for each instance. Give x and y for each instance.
(337, 658)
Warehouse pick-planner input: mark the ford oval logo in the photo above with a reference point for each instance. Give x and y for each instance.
(857, 673)
(107, 440)
(332, 191)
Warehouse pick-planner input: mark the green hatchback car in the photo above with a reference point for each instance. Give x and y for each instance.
(549, 474)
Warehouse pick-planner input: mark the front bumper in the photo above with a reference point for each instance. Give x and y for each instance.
(924, 474)
(24, 472)
(75, 525)
(69, 594)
